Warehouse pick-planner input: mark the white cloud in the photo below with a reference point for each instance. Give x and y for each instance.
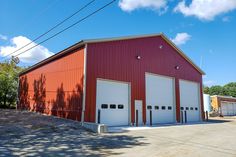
(206, 9)
(3, 37)
(181, 38)
(130, 5)
(32, 56)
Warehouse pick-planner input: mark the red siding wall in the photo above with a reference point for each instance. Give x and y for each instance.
(116, 60)
(55, 88)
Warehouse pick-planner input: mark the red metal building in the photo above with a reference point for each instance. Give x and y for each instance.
(118, 81)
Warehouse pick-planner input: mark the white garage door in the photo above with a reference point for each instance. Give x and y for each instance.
(231, 109)
(224, 109)
(228, 108)
(190, 100)
(112, 101)
(160, 99)
(234, 108)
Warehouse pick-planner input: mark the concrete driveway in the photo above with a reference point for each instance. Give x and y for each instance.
(216, 138)
(31, 134)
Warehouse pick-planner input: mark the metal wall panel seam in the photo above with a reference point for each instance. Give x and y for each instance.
(84, 84)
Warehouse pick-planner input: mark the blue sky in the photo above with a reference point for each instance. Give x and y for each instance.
(204, 30)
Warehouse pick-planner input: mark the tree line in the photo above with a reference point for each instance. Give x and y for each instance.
(226, 90)
(8, 84)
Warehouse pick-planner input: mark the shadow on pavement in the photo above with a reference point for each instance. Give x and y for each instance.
(31, 134)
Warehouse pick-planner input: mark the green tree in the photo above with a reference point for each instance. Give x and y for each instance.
(216, 90)
(230, 89)
(8, 84)
(206, 90)
(226, 90)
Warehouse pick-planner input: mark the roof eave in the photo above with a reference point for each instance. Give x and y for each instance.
(53, 57)
(121, 38)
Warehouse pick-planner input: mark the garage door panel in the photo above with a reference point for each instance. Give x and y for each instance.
(228, 108)
(114, 117)
(159, 89)
(224, 109)
(112, 101)
(235, 109)
(109, 91)
(192, 116)
(189, 93)
(160, 95)
(190, 100)
(231, 109)
(165, 116)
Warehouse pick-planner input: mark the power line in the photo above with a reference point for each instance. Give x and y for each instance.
(84, 18)
(60, 23)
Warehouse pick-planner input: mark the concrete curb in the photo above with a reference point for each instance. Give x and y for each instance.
(94, 127)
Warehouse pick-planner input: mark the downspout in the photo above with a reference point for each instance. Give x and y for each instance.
(84, 85)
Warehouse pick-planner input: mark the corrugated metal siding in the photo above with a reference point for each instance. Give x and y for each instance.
(116, 60)
(220, 99)
(55, 88)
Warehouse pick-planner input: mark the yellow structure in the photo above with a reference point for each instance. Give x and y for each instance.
(225, 105)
